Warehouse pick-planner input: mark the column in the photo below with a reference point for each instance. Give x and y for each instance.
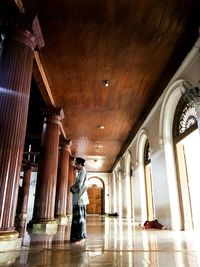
(22, 209)
(132, 193)
(125, 195)
(72, 176)
(43, 215)
(114, 193)
(120, 193)
(62, 182)
(124, 207)
(19, 37)
(110, 194)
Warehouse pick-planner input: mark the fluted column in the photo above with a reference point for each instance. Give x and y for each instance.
(47, 170)
(62, 182)
(23, 200)
(26, 188)
(72, 176)
(18, 40)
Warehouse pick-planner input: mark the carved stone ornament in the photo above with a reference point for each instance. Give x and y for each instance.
(186, 114)
(193, 95)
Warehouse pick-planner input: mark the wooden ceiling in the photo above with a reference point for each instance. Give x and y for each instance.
(136, 45)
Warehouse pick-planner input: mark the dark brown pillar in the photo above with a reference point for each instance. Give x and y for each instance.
(72, 177)
(21, 215)
(62, 181)
(47, 169)
(17, 46)
(26, 188)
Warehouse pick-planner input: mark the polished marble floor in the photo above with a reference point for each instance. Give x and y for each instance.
(111, 242)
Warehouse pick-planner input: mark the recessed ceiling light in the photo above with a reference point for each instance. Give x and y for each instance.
(100, 127)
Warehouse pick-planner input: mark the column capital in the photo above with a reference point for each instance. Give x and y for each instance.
(24, 28)
(65, 143)
(50, 111)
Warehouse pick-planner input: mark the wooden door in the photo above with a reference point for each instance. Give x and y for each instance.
(96, 199)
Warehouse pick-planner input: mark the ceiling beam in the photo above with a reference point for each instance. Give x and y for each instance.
(46, 85)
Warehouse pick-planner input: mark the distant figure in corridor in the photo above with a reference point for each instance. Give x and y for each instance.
(80, 200)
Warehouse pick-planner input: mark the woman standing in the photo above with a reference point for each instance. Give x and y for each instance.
(79, 201)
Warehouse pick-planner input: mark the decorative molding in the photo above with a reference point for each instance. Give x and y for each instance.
(192, 93)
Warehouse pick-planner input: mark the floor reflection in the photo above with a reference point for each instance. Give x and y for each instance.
(111, 242)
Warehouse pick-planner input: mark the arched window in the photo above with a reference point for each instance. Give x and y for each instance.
(185, 118)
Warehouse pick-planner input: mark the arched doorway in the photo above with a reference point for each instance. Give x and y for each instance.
(148, 182)
(187, 147)
(169, 104)
(140, 201)
(127, 186)
(96, 193)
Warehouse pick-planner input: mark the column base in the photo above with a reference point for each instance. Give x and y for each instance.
(20, 219)
(20, 223)
(7, 257)
(9, 240)
(45, 228)
(62, 220)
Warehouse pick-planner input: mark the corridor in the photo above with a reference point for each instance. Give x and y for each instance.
(111, 242)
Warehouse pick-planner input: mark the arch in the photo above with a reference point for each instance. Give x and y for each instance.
(168, 108)
(142, 137)
(127, 161)
(98, 178)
